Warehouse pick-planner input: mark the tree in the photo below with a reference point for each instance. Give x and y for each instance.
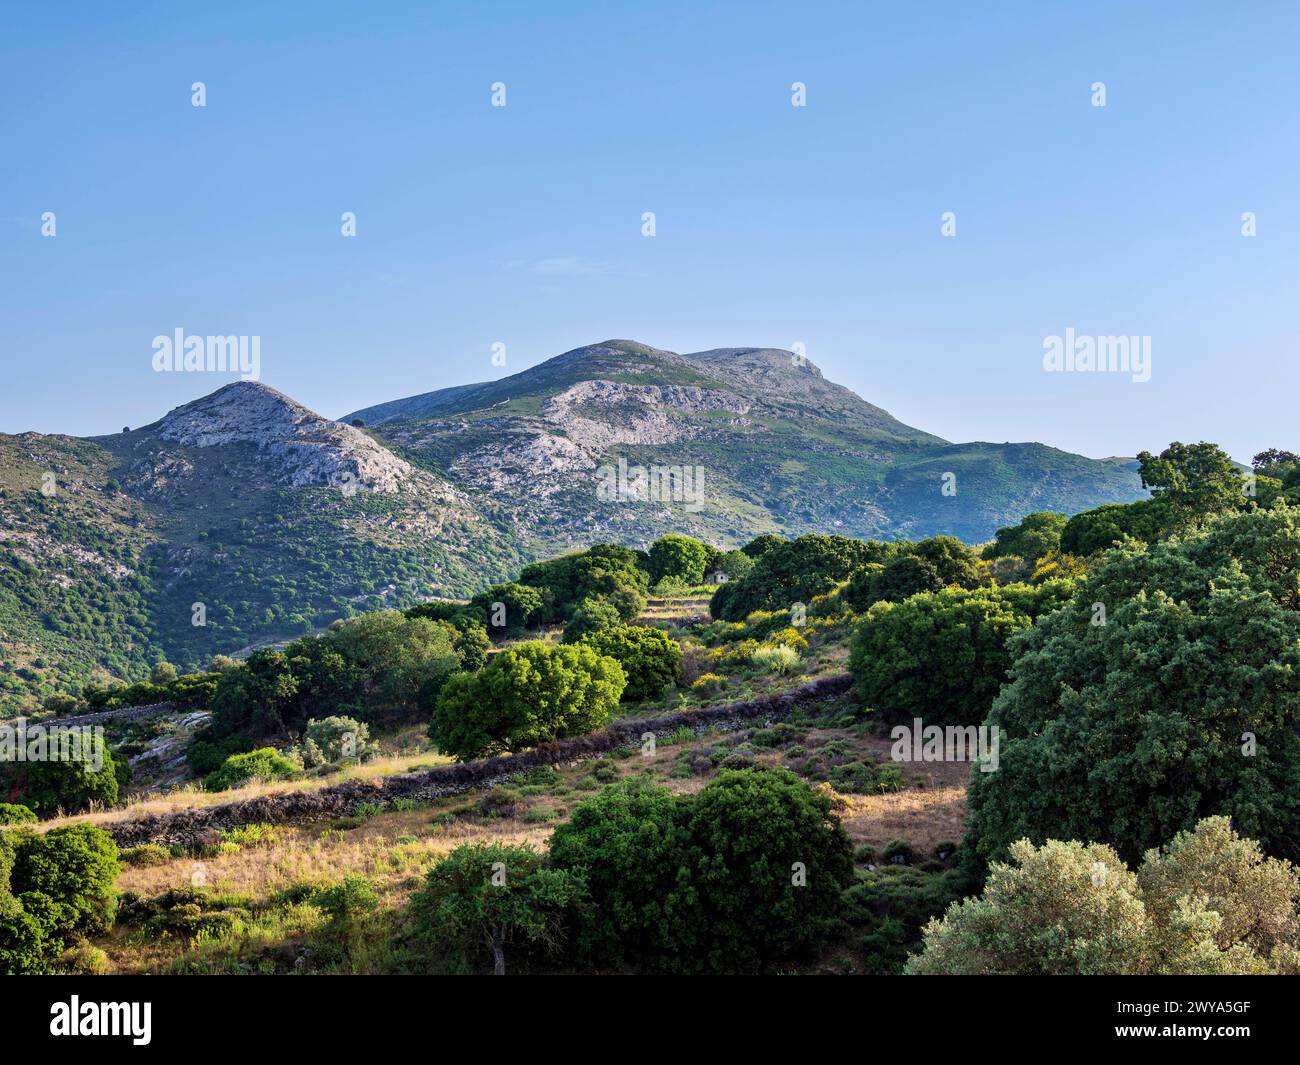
(627, 844)
(681, 558)
(529, 694)
(78, 772)
(484, 898)
(74, 867)
(520, 606)
(1196, 480)
(163, 672)
(650, 657)
(594, 614)
(1163, 692)
(794, 571)
(1208, 903)
(1091, 531)
(747, 872)
(760, 545)
(939, 656)
(1034, 537)
(896, 580)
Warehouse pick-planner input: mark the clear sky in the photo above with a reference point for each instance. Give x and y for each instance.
(774, 224)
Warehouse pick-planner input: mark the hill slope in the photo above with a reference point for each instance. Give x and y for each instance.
(781, 449)
(277, 520)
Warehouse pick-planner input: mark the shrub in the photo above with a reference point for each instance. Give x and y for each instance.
(1208, 903)
(263, 764)
(594, 614)
(332, 740)
(519, 607)
(15, 814)
(680, 558)
(73, 868)
(490, 897)
(346, 907)
(651, 659)
(746, 872)
(939, 656)
(794, 571)
(890, 906)
(778, 658)
(529, 694)
(147, 854)
(84, 774)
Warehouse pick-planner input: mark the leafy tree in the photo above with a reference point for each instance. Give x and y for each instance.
(594, 614)
(85, 773)
(603, 570)
(747, 872)
(939, 656)
(760, 545)
(896, 580)
(1034, 537)
(735, 564)
(529, 694)
(1196, 480)
(1208, 903)
(1090, 531)
(74, 867)
(626, 842)
(15, 814)
(1163, 692)
(163, 672)
(484, 898)
(681, 558)
(650, 657)
(521, 606)
(793, 571)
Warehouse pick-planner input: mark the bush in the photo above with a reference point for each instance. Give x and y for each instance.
(680, 558)
(520, 606)
(889, 908)
(794, 571)
(263, 764)
(591, 616)
(529, 694)
(1209, 903)
(333, 740)
(147, 854)
(650, 657)
(746, 872)
(73, 868)
(775, 658)
(939, 656)
(85, 774)
(15, 814)
(485, 898)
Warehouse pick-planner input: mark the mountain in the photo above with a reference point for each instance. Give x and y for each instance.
(262, 519)
(781, 449)
(274, 519)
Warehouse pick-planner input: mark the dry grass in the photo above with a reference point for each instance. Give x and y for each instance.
(193, 795)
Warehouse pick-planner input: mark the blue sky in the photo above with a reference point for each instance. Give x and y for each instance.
(775, 224)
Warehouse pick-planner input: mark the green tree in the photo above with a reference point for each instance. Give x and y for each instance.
(1163, 692)
(1196, 480)
(794, 571)
(85, 773)
(650, 657)
(509, 608)
(485, 898)
(1034, 537)
(265, 763)
(529, 694)
(681, 558)
(939, 656)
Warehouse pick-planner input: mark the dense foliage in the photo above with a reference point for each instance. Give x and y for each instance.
(794, 571)
(1166, 690)
(1208, 903)
(747, 872)
(528, 694)
(650, 657)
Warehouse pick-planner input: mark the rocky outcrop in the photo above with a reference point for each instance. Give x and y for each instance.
(192, 826)
(299, 446)
(598, 414)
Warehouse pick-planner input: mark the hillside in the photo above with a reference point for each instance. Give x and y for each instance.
(278, 520)
(781, 448)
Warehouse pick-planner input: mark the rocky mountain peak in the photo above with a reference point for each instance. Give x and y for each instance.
(299, 447)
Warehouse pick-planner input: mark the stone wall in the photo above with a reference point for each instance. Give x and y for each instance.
(300, 807)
